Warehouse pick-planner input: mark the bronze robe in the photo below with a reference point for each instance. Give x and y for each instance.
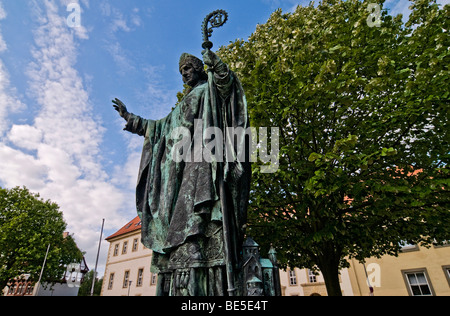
(178, 202)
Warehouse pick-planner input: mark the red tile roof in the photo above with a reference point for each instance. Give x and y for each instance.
(132, 226)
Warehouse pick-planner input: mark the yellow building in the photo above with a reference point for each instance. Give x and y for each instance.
(304, 282)
(417, 271)
(127, 271)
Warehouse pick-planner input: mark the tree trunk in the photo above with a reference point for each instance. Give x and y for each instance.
(330, 274)
(328, 263)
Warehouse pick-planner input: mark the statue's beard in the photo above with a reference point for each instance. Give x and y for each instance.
(191, 82)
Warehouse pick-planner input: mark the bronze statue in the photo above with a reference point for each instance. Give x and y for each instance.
(193, 209)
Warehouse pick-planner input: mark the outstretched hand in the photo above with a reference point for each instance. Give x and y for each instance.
(121, 108)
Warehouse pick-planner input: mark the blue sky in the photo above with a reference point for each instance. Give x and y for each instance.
(59, 134)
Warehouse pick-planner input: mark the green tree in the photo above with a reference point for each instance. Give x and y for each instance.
(28, 225)
(364, 136)
(86, 285)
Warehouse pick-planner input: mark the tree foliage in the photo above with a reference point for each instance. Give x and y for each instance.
(86, 285)
(364, 134)
(28, 225)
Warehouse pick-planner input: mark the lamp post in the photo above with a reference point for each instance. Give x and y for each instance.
(129, 286)
(96, 261)
(42, 271)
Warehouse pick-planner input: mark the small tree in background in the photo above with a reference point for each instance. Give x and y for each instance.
(28, 225)
(85, 288)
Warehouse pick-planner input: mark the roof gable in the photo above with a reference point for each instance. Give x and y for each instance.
(132, 226)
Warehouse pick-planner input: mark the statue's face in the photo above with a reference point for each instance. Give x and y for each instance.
(190, 76)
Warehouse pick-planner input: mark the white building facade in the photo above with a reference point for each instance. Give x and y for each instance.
(127, 271)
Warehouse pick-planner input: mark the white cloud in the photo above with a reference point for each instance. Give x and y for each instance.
(20, 169)
(398, 7)
(70, 137)
(58, 154)
(120, 57)
(9, 103)
(119, 22)
(161, 98)
(8, 100)
(288, 5)
(2, 12)
(3, 46)
(81, 30)
(402, 7)
(25, 136)
(135, 18)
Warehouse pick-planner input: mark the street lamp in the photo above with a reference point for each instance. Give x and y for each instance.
(42, 271)
(129, 286)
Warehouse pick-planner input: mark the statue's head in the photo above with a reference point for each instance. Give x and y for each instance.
(192, 70)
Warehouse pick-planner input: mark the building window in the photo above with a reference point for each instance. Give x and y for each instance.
(312, 277)
(445, 243)
(135, 244)
(447, 273)
(116, 250)
(153, 279)
(292, 277)
(126, 278)
(407, 247)
(140, 277)
(417, 283)
(125, 247)
(111, 281)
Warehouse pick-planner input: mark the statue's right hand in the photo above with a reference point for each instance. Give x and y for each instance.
(121, 108)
